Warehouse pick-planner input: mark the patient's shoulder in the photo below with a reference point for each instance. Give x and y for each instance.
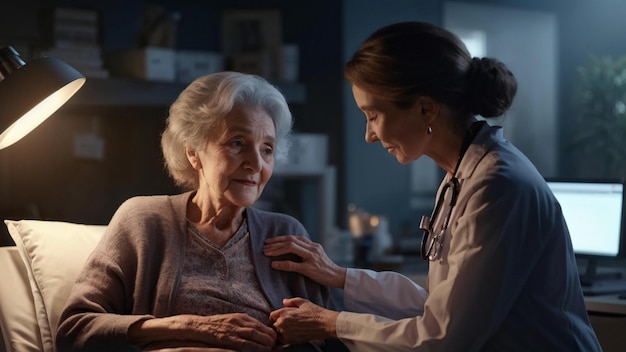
(275, 220)
(155, 208)
(266, 215)
(144, 204)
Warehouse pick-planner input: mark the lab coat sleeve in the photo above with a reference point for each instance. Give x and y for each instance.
(386, 293)
(488, 265)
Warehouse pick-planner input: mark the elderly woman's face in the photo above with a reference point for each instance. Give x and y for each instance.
(239, 160)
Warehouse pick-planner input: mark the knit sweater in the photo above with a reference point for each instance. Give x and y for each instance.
(134, 272)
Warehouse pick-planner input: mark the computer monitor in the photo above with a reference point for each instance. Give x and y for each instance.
(593, 210)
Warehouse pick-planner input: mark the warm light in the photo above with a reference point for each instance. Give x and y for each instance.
(38, 114)
(374, 221)
(31, 92)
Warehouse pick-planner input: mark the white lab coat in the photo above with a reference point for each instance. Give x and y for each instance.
(507, 279)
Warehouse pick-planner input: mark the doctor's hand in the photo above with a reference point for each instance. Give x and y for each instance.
(315, 263)
(301, 321)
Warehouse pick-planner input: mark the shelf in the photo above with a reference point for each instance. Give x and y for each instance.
(132, 92)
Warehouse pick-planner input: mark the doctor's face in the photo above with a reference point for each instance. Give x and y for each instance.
(397, 130)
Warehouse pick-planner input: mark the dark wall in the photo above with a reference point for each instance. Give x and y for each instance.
(585, 28)
(41, 170)
(40, 177)
(376, 182)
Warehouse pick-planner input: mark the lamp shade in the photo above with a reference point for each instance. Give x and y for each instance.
(31, 92)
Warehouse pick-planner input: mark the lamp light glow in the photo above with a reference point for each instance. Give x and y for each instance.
(30, 93)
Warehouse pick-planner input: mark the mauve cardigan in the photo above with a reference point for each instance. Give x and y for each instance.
(134, 272)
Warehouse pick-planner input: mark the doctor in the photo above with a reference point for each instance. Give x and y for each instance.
(502, 273)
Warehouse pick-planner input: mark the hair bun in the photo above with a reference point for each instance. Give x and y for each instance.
(491, 87)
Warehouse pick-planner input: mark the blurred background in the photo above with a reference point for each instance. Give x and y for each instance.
(103, 146)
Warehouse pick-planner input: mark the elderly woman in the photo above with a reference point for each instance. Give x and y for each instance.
(187, 271)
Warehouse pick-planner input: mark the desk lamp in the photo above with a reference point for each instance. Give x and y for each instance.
(31, 92)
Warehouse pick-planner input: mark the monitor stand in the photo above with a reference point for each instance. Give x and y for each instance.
(601, 283)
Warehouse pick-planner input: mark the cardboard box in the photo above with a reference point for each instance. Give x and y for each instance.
(151, 63)
(191, 64)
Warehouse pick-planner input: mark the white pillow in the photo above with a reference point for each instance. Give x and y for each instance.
(53, 252)
(17, 311)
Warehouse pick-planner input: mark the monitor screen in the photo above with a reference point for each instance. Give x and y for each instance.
(593, 212)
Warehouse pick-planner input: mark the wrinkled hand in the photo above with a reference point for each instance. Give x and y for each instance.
(315, 263)
(237, 331)
(302, 321)
(159, 348)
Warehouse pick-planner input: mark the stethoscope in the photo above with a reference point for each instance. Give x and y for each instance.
(433, 243)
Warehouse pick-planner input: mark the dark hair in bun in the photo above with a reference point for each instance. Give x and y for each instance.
(491, 87)
(406, 60)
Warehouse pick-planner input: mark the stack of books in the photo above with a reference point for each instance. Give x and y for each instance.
(72, 35)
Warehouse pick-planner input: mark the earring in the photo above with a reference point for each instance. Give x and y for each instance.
(429, 130)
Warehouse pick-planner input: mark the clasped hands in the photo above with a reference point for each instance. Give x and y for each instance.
(300, 320)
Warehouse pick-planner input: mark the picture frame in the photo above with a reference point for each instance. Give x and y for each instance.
(251, 31)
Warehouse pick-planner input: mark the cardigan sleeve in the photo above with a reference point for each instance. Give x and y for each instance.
(98, 308)
(119, 282)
